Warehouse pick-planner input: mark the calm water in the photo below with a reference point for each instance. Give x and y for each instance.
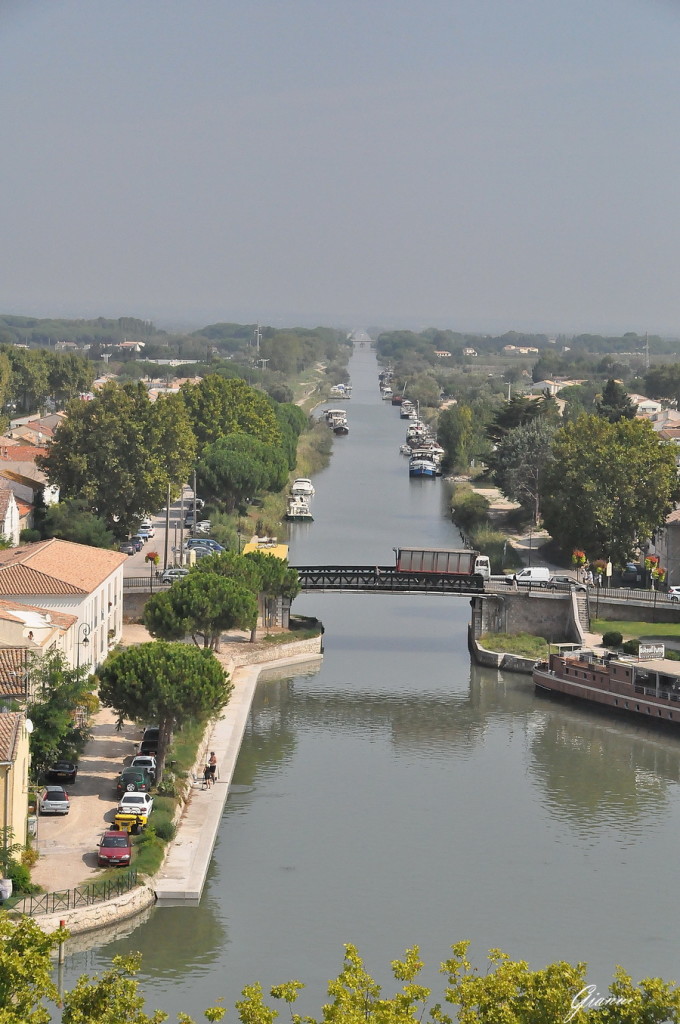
(398, 795)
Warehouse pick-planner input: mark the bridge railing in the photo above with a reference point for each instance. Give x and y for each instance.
(386, 579)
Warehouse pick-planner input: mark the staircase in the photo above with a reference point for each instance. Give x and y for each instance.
(583, 609)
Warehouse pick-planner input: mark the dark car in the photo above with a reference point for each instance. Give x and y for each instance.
(62, 771)
(127, 547)
(632, 575)
(114, 848)
(133, 780)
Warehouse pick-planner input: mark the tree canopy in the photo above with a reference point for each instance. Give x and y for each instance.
(237, 467)
(608, 487)
(167, 683)
(614, 404)
(218, 407)
(204, 604)
(119, 452)
(58, 691)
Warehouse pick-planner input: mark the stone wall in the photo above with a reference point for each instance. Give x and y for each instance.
(99, 915)
(492, 659)
(547, 615)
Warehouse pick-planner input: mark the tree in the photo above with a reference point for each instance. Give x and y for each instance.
(517, 411)
(609, 486)
(455, 434)
(520, 460)
(167, 683)
(72, 520)
(203, 604)
(58, 693)
(218, 407)
(614, 404)
(119, 452)
(237, 467)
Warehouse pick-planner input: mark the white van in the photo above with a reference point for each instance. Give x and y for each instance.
(538, 574)
(483, 566)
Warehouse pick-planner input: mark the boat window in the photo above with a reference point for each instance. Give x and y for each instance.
(637, 707)
(626, 703)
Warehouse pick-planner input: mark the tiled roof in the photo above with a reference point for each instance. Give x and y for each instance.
(674, 517)
(13, 672)
(5, 499)
(56, 567)
(21, 452)
(25, 507)
(10, 730)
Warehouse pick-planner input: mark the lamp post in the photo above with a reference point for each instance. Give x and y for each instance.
(84, 629)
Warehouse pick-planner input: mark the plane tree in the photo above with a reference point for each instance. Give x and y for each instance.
(167, 683)
(608, 487)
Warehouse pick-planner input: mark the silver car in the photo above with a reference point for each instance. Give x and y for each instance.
(53, 800)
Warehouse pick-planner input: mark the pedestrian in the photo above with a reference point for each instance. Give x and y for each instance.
(589, 578)
(207, 776)
(212, 765)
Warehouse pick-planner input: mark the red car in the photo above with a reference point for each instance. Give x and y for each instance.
(114, 849)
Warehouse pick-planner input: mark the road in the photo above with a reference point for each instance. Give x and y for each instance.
(135, 564)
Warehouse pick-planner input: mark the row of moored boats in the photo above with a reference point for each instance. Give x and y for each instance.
(425, 454)
(297, 504)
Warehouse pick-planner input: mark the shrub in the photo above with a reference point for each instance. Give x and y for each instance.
(631, 647)
(165, 829)
(612, 639)
(21, 878)
(29, 536)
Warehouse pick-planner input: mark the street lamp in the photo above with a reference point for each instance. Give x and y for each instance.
(85, 629)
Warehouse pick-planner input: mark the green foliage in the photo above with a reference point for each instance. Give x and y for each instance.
(455, 433)
(612, 638)
(237, 467)
(29, 536)
(663, 381)
(468, 508)
(204, 603)
(218, 407)
(614, 403)
(119, 452)
(617, 481)
(276, 579)
(166, 683)
(58, 691)
(520, 460)
(21, 878)
(26, 971)
(72, 520)
(525, 645)
(631, 646)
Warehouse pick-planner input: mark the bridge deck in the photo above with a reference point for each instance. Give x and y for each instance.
(384, 579)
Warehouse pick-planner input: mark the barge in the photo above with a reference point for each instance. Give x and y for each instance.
(648, 689)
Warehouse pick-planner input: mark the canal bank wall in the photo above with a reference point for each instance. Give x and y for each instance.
(182, 875)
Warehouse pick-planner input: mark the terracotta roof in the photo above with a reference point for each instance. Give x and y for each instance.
(56, 567)
(21, 452)
(14, 672)
(10, 730)
(6, 496)
(24, 507)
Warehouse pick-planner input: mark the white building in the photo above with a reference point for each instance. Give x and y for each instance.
(73, 580)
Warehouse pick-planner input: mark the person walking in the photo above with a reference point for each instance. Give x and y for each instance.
(212, 765)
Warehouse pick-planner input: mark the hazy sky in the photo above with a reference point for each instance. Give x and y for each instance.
(477, 164)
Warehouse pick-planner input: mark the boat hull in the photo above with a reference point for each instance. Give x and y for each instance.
(632, 705)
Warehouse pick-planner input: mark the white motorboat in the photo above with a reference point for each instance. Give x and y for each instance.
(302, 486)
(298, 510)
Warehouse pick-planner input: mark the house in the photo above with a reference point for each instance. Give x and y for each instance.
(58, 576)
(130, 346)
(13, 676)
(18, 467)
(442, 354)
(469, 352)
(666, 544)
(37, 631)
(14, 762)
(645, 406)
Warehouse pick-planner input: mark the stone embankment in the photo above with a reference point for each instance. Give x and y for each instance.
(182, 875)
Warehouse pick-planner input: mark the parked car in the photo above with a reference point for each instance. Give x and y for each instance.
(53, 800)
(149, 744)
(146, 533)
(204, 526)
(133, 780)
(127, 547)
(567, 581)
(114, 848)
(203, 542)
(674, 593)
(145, 761)
(139, 541)
(536, 574)
(135, 803)
(175, 573)
(62, 771)
(145, 523)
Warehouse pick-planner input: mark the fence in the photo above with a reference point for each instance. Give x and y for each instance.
(142, 583)
(70, 899)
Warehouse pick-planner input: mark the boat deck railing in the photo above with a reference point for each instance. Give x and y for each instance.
(648, 691)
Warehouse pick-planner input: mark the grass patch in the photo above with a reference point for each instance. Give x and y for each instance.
(636, 629)
(523, 644)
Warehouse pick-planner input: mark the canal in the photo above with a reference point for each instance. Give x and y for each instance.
(398, 795)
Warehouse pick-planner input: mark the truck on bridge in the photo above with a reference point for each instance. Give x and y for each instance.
(450, 561)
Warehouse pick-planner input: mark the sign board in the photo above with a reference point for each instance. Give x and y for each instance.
(648, 652)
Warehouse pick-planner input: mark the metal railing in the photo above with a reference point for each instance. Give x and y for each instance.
(70, 899)
(142, 583)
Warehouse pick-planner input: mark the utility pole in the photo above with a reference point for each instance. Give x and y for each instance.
(258, 338)
(193, 484)
(167, 529)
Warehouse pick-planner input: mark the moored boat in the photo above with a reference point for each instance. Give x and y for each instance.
(302, 486)
(298, 509)
(421, 463)
(648, 688)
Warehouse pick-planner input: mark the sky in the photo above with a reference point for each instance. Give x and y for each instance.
(480, 165)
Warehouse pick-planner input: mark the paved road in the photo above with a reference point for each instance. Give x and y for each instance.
(67, 843)
(135, 564)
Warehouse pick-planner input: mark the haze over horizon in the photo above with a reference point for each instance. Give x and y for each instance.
(485, 167)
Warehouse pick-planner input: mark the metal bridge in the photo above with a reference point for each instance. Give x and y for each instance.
(383, 579)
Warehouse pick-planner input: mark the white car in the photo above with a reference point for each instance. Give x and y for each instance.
(674, 593)
(147, 761)
(205, 526)
(175, 573)
(135, 803)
